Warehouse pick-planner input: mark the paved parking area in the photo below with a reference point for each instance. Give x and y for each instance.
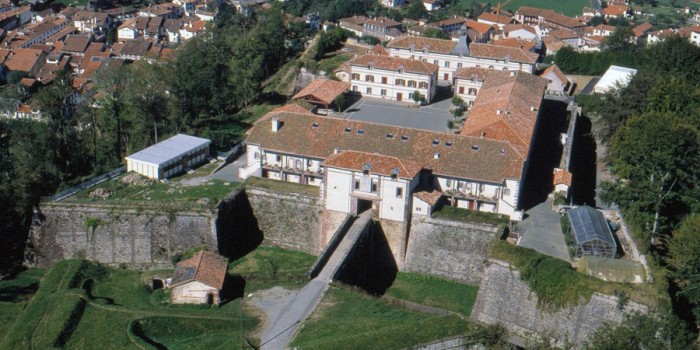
(541, 231)
(431, 117)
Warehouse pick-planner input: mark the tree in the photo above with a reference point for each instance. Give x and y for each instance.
(684, 259)
(416, 10)
(621, 40)
(656, 160)
(642, 331)
(434, 33)
(417, 97)
(596, 20)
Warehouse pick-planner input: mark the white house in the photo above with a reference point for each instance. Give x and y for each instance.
(392, 78)
(613, 78)
(521, 31)
(199, 280)
(467, 83)
(450, 55)
(170, 157)
(562, 181)
(556, 79)
(127, 30)
(392, 3)
(431, 5)
(695, 35)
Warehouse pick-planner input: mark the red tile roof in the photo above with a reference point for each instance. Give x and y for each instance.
(557, 72)
(616, 10)
(394, 64)
(506, 109)
(515, 42)
(420, 43)
(502, 52)
(430, 196)
(378, 164)
(322, 90)
(513, 27)
(562, 176)
(205, 267)
(472, 72)
(641, 29)
(481, 28)
(492, 17)
(379, 51)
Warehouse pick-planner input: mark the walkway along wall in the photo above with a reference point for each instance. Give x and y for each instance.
(504, 298)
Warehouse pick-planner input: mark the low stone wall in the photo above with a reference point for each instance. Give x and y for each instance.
(450, 249)
(503, 298)
(287, 220)
(117, 235)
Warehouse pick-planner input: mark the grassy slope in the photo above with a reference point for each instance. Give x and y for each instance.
(434, 292)
(351, 320)
(282, 186)
(14, 296)
(268, 266)
(568, 7)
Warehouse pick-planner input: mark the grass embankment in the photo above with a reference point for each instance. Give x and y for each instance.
(282, 186)
(348, 319)
(434, 292)
(558, 285)
(267, 266)
(571, 8)
(158, 194)
(461, 214)
(80, 305)
(14, 296)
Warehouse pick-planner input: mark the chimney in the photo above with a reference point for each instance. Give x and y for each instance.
(532, 108)
(276, 124)
(336, 150)
(512, 73)
(498, 111)
(436, 155)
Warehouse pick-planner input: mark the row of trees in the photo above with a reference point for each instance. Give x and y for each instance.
(203, 91)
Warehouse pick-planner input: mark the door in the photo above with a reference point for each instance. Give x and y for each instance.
(471, 205)
(399, 96)
(446, 76)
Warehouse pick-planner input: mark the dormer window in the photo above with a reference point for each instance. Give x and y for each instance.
(404, 137)
(436, 142)
(390, 136)
(348, 129)
(475, 147)
(448, 143)
(360, 131)
(314, 125)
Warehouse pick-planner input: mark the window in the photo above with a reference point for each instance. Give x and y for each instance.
(505, 68)
(369, 78)
(461, 90)
(355, 76)
(256, 155)
(357, 185)
(309, 162)
(473, 91)
(354, 88)
(314, 125)
(404, 137)
(399, 192)
(411, 83)
(448, 183)
(506, 192)
(491, 67)
(447, 64)
(435, 62)
(369, 90)
(278, 158)
(384, 80)
(459, 65)
(348, 129)
(375, 186)
(436, 142)
(383, 92)
(298, 164)
(423, 85)
(360, 131)
(400, 82)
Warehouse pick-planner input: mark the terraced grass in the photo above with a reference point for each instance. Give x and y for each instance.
(435, 292)
(268, 266)
(348, 319)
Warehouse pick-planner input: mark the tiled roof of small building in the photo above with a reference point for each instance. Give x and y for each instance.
(205, 267)
(374, 162)
(394, 64)
(323, 90)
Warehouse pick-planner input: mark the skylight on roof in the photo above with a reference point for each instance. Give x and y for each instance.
(314, 125)
(448, 143)
(348, 129)
(503, 151)
(475, 147)
(390, 135)
(436, 142)
(404, 137)
(360, 131)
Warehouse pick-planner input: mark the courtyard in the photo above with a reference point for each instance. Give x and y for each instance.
(434, 116)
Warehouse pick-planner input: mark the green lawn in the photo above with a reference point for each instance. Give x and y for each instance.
(282, 186)
(434, 292)
(14, 295)
(347, 319)
(172, 194)
(332, 61)
(570, 8)
(268, 266)
(461, 214)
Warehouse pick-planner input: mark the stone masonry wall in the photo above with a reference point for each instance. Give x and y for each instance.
(117, 235)
(504, 298)
(450, 249)
(287, 220)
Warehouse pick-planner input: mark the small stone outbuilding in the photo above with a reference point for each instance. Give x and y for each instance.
(199, 279)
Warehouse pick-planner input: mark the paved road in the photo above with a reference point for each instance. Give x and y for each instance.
(281, 329)
(541, 231)
(230, 171)
(431, 117)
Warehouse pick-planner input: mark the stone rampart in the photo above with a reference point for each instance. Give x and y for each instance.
(138, 238)
(450, 249)
(503, 298)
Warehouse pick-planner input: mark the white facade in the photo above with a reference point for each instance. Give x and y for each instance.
(392, 3)
(392, 85)
(170, 157)
(194, 293)
(450, 63)
(126, 33)
(467, 89)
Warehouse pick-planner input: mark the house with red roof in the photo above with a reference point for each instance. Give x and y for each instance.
(199, 279)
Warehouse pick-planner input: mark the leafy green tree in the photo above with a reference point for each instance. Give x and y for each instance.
(642, 331)
(621, 40)
(434, 33)
(684, 259)
(416, 10)
(656, 161)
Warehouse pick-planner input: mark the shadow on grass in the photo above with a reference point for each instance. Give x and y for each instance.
(234, 288)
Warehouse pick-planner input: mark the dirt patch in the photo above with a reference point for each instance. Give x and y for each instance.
(269, 301)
